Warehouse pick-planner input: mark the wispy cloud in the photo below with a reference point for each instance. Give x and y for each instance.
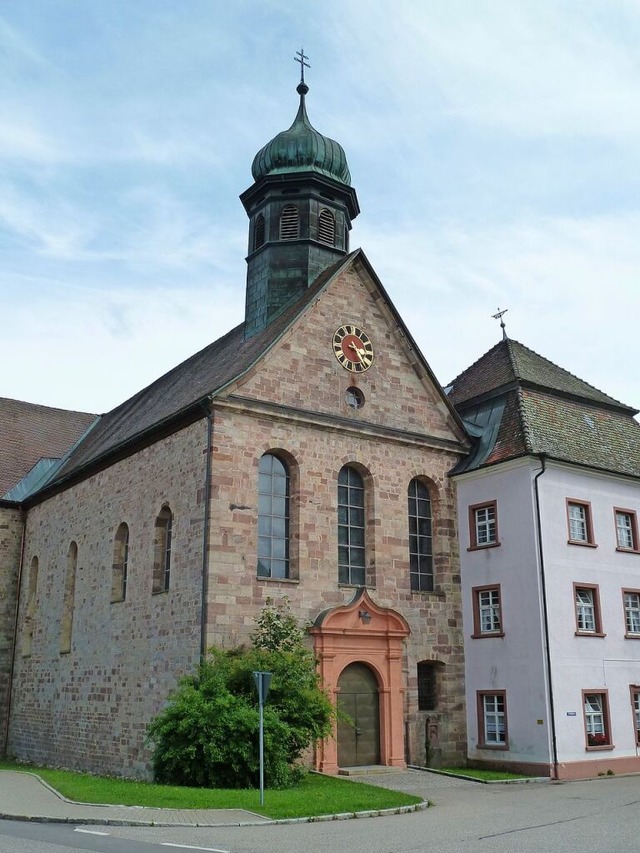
(493, 145)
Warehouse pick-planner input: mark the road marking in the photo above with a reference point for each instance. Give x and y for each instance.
(91, 832)
(189, 847)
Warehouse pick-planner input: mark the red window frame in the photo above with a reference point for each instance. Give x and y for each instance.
(592, 742)
(476, 592)
(617, 510)
(482, 741)
(597, 615)
(589, 542)
(473, 529)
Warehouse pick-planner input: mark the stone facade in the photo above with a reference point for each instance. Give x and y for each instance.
(10, 546)
(89, 708)
(294, 404)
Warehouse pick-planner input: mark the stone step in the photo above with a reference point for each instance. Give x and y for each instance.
(368, 769)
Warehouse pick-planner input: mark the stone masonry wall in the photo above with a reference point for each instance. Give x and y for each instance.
(403, 431)
(10, 542)
(236, 594)
(89, 709)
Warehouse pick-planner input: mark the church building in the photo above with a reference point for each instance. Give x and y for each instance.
(304, 455)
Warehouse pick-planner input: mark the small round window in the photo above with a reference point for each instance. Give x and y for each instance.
(354, 398)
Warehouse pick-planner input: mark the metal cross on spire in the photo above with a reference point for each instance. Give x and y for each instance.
(499, 316)
(300, 53)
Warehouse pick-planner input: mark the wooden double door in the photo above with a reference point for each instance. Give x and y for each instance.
(358, 697)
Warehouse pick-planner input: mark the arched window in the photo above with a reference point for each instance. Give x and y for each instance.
(259, 231)
(429, 673)
(327, 227)
(30, 618)
(289, 223)
(351, 538)
(67, 603)
(162, 550)
(120, 564)
(273, 517)
(420, 538)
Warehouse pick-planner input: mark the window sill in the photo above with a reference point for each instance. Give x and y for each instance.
(502, 747)
(632, 636)
(581, 543)
(488, 635)
(628, 550)
(598, 634)
(484, 547)
(277, 580)
(604, 748)
(159, 591)
(436, 593)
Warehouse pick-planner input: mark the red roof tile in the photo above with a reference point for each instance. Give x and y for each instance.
(29, 432)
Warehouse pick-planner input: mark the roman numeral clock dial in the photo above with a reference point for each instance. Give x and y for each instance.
(352, 348)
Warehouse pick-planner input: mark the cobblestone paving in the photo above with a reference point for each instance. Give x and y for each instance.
(421, 783)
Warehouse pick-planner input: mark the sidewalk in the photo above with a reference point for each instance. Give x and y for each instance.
(24, 796)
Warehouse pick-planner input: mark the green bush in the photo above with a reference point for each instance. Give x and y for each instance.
(207, 736)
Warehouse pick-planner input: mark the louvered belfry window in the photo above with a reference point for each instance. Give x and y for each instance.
(327, 227)
(289, 223)
(258, 234)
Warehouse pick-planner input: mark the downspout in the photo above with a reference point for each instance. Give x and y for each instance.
(14, 641)
(545, 615)
(205, 534)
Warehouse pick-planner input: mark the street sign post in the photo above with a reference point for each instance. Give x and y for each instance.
(263, 682)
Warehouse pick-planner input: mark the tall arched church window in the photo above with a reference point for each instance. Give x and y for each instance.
(273, 517)
(259, 231)
(68, 600)
(162, 550)
(30, 618)
(420, 537)
(120, 564)
(351, 533)
(289, 222)
(327, 227)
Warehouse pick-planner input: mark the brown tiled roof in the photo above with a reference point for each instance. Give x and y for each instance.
(29, 432)
(180, 392)
(510, 362)
(183, 387)
(586, 435)
(547, 411)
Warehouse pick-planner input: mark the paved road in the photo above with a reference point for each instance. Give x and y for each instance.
(600, 815)
(596, 815)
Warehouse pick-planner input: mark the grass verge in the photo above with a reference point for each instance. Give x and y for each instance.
(484, 775)
(316, 795)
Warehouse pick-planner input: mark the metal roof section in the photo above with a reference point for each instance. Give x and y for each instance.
(29, 483)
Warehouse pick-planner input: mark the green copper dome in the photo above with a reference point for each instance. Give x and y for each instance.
(302, 149)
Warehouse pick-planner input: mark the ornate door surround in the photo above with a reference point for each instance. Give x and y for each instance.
(364, 632)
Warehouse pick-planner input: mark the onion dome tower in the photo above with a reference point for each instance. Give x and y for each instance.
(300, 210)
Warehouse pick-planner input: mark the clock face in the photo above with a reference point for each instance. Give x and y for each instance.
(352, 348)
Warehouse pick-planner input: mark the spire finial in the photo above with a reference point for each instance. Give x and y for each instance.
(300, 57)
(499, 316)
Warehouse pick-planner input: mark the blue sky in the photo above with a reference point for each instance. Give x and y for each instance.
(494, 146)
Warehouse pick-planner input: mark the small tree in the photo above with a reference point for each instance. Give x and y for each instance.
(207, 734)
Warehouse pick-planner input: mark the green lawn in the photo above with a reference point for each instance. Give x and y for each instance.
(316, 795)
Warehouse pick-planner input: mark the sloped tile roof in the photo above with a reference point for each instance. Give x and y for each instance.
(547, 411)
(29, 432)
(183, 387)
(576, 432)
(510, 362)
